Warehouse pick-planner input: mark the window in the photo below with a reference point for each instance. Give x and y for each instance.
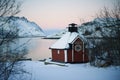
(78, 47)
(58, 51)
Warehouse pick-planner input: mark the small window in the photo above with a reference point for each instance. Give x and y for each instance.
(58, 51)
(78, 48)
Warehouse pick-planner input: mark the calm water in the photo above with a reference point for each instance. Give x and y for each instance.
(36, 48)
(39, 48)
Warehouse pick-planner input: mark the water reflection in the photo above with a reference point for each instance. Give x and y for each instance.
(35, 48)
(39, 48)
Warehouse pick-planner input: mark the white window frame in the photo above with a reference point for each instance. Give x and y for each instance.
(58, 51)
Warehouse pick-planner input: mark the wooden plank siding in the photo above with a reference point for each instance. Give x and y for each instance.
(58, 55)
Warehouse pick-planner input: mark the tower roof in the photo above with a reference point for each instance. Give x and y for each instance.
(72, 27)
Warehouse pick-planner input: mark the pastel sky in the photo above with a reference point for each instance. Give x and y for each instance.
(57, 14)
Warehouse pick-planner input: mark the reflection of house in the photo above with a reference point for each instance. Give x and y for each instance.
(70, 48)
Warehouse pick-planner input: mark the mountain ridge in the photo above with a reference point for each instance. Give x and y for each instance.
(25, 27)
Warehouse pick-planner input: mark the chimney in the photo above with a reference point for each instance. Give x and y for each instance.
(72, 28)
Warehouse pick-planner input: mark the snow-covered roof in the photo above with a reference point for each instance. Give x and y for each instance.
(63, 43)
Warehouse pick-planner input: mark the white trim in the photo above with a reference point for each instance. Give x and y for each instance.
(65, 53)
(76, 39)
(83, 57)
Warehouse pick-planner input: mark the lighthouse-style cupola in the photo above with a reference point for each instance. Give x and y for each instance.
(70, 47)
(72, 27)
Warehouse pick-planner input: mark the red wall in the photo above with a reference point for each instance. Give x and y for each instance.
(58, 57)
(77, 55)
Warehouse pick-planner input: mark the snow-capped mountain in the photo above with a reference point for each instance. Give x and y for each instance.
(25, 27)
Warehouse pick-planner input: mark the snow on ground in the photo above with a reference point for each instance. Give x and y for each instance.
(39, 71)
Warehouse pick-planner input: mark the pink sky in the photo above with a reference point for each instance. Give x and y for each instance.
(57, 14)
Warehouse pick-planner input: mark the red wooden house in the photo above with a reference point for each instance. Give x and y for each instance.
(70, 47)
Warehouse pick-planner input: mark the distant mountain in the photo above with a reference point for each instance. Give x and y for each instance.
(99, 27)
(25, 27)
